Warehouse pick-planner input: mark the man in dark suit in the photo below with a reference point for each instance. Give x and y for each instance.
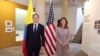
(35, 39)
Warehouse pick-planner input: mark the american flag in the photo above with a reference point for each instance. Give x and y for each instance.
(50, 44)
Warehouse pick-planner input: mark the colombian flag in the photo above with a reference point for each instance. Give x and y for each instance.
(28, 20)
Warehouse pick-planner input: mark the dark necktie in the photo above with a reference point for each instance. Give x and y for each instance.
(35, 28)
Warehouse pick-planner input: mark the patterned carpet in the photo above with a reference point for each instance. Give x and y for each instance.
(75, 50)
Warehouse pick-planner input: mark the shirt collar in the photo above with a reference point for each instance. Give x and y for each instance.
(36, 23)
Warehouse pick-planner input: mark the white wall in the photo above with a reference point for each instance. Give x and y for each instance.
(75, 19)
(72, 15)
(79, 19)
(90, 36)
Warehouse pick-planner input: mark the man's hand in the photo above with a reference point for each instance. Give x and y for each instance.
(42, 48)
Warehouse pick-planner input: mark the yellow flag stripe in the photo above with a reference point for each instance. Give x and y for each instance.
(29, 13)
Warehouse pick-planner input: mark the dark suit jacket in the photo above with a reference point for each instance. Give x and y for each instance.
(35, 38)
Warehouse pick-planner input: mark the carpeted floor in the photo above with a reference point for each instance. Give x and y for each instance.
(75, 50)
